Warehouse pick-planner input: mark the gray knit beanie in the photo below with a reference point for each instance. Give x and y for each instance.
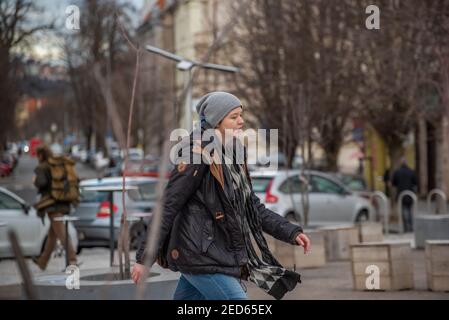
(214, 106)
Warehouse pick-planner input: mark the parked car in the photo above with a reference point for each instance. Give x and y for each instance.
(100, 161)
(20, 217)
(10, 159)
(94, 210)
(5, 169)
(24, 147)
(114, 151)
(134, 154)
(13, 148)
(79, 152)
(355, 183)
(115, 167)
(331, 202)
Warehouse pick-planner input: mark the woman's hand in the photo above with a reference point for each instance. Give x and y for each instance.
(137, 272)
(303, 241)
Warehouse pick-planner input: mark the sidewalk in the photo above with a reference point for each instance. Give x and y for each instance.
(333, 281)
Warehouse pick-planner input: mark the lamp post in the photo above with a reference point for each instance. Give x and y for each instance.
(53, 129)
(187, 66)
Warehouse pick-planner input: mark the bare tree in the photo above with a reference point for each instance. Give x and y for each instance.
(291, 44)
(15, 31)
(97, 43)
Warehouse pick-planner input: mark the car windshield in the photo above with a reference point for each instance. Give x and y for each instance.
(260, 184)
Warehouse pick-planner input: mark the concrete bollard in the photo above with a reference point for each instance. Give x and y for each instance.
(337, 241)
(382, 266)
(437, 265)
(370, 232)
(291, 256)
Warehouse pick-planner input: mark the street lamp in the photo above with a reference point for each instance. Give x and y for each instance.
(187, 65)
(53, 129)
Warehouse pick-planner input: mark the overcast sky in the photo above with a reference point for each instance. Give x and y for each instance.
(46, 46)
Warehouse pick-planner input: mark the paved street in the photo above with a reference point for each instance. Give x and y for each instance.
(333, 281)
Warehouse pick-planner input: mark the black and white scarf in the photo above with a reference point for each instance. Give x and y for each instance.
(265, 271)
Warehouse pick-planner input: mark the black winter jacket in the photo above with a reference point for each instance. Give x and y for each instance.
(200, 231)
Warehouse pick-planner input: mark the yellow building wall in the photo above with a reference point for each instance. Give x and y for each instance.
(378, 160)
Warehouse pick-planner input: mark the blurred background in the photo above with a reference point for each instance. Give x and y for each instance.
(354, 90)
(343, 97)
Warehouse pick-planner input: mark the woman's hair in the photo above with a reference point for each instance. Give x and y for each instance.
(43, 152)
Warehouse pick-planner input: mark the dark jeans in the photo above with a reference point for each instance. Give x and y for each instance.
(407, 218)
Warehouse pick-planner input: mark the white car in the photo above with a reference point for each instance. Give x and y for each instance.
(78, 152)
(15, 214)
(100, 161)
(134, 154)
(330, 202)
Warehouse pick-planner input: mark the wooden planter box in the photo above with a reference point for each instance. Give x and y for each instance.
(393, 259)
(437, 265)
(337, 241)
(291, 256)
(370, 232)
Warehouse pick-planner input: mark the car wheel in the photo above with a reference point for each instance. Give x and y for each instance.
(136, 235)
(362, 216)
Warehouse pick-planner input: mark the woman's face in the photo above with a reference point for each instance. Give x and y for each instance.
(233, 121)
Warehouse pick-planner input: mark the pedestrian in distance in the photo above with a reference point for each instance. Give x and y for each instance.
(57, 183)
(404, 179)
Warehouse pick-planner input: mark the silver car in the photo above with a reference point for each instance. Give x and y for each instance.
(93, 210)
(330, 201)
(15, 214)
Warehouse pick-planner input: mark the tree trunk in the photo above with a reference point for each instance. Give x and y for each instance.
(422, 147)
(88, 135)
(331, 156)
(288, 148)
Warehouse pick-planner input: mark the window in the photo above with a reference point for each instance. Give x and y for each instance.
(355, 184)
(9, 203)
(93, 196)
(323, 185)
(293, 185)
(145, 192)
(260, 184)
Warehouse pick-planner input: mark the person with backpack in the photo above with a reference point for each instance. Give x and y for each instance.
(57, 183)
